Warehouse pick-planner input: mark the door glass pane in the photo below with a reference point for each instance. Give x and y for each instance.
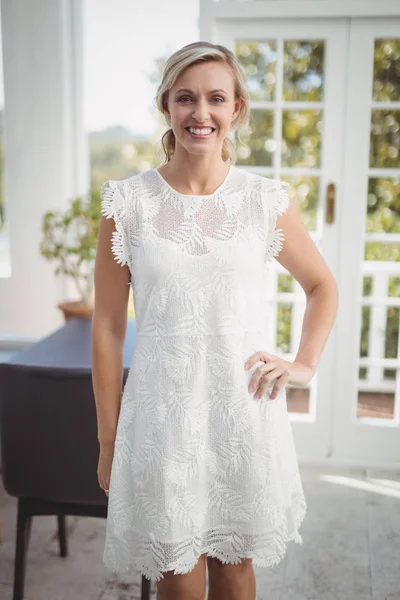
(385, 139)
(386, 86)
(303, 70)
(380, 308)
(301, 139)
(256, 145)
(258, 60)
(304, 191)
(383, 216)
(383, 210)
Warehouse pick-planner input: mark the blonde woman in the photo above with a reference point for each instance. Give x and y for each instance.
(197, 454)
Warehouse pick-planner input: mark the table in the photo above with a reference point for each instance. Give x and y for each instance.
(69, 348)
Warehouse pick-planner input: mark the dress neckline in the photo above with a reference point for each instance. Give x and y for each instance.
(219, 188)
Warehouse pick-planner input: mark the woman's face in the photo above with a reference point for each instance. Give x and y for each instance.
(202, 106)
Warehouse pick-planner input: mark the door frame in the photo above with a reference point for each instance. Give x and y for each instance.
(211, 11)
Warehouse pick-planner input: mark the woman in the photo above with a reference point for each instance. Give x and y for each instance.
(198, 456)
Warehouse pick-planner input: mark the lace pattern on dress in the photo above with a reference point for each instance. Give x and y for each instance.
(278, 205)
(113, 206)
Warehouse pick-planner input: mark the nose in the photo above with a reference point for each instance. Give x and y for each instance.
(200, 112)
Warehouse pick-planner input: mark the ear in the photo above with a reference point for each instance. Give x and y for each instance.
(238, 105)
(165, 109)
(167, 114)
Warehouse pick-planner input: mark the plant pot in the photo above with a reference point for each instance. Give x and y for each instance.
(76, 308)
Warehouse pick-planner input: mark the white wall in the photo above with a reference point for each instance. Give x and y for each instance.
(46, 161)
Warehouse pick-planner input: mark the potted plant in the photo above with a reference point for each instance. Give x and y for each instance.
(70, 239)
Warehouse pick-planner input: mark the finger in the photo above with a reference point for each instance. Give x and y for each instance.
(279, 384)
(275, 391)
(267, 381)
(260, 355)
(104, 485)
(259, 373)
(262, 388)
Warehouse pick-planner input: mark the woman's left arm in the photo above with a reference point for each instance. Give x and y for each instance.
(303, 260)
(300, 256)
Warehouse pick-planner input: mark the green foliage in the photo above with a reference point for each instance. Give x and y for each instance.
(70, 239)
(120, 159)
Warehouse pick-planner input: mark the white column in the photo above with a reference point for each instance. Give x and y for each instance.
(46, 159)
(207, 21)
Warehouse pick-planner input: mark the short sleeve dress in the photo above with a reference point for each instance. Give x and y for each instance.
(200, 465)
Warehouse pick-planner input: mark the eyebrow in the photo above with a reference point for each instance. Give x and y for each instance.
(191, 91)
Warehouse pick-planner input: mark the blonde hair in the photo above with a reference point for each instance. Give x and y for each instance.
(193, 54)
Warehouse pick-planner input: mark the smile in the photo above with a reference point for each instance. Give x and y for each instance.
(200, 132)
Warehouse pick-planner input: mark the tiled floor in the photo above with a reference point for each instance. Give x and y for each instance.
(351, 548)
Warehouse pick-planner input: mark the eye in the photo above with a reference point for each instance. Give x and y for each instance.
(219, 98)
(183, 98)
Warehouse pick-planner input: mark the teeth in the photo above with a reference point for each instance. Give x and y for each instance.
(205, 131)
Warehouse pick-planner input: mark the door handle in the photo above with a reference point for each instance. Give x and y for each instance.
(330, 203)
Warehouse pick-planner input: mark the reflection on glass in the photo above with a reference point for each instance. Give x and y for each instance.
(301, 138)
(258, 61)
(386, 85)
(385, 139)
(303, 67)
(255, 146)
(383, 206)
(304, 191)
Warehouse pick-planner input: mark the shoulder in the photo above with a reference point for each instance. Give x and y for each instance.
(266, 184)
(122, 185)
(123, 195)
(277, 194)
(264, 190)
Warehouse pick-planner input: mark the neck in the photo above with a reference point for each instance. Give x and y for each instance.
(194, 174)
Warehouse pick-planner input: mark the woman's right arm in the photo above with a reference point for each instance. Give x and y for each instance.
(109, 323)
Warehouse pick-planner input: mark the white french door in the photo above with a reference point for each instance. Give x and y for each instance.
(319, 87)
(366, 411)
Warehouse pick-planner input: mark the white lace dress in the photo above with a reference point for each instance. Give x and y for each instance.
(200, 465)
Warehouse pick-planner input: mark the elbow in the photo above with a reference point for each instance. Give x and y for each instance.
(109, 324)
